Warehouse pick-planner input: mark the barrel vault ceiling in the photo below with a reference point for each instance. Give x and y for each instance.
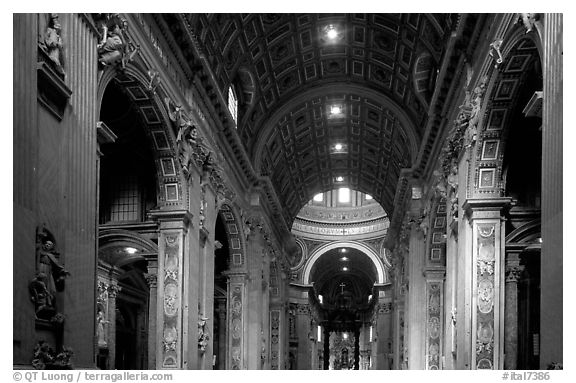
(379, 69)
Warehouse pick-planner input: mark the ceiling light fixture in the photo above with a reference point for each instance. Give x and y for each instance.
(344, 268)
(335, 109)
(331, 32)
(344, 259)
(339, 179)
(338, 146)
(343, 250)
(130, 250)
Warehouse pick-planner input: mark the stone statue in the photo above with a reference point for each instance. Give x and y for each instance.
(187, 137)
(529, 20)
(53, 41)
(48, 263)
(112, 48)
(115, 47)
(495, 51)
(41, 297)
(476, 106)
(100, 331)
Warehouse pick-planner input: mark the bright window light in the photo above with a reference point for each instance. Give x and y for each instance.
(344, 268)
(371, 334)
(368, 197)
(369, 297)
(339, 179)
(320, 299)
(233, 104)
(331, 32)
(343, 195)
(319, 334)
(343, 250)
(335, 109)
(319, 197)
(345, 335)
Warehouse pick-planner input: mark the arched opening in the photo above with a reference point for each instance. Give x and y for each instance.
(345, 278)
(517, 99)
(127, 181)
(221, 265)
(127, 245)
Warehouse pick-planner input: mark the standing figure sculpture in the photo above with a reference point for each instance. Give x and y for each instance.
(50, 275)
(113, 47)
(53, 41)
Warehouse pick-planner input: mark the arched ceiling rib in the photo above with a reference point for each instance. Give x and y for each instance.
(272, 59)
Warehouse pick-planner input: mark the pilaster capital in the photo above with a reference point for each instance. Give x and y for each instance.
(235, 276)
(513, 273)
(151, 279)
(478, 208)
(172, 218)
(113, 290)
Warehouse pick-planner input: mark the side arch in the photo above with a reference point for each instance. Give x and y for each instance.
(132, 81)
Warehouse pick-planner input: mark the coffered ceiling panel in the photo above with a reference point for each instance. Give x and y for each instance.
(380, 64)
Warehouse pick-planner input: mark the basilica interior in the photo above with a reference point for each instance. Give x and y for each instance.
(287, 191)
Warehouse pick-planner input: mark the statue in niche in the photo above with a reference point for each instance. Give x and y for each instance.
(41, 297)
(50, 275)
(52, 41)
(100, 331)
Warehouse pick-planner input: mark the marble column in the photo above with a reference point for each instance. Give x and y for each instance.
(236, 318)
(254, 299)
(152, 281)
(175, 318)
(357, 348)
(434, 328)
(486, 273)
(303, 359)
(207, 225)
(513, 270)
(382, 336)
(551, 293)
(222, 334)
(416, 302)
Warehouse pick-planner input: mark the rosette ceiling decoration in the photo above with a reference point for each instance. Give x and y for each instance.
(307, 82)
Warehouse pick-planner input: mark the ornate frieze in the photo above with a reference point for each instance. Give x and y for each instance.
(377, 226)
